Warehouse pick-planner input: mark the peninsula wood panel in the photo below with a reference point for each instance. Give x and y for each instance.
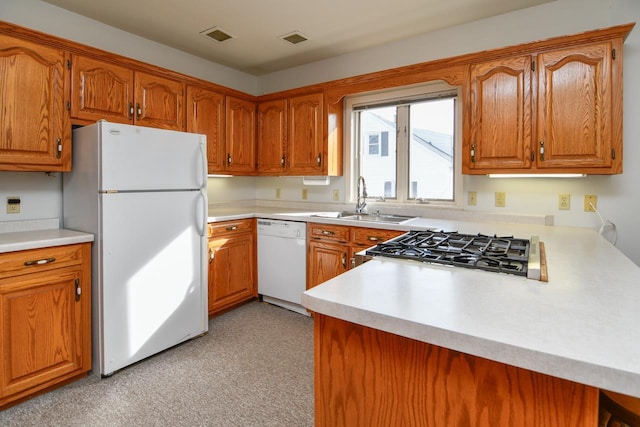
(366, 377)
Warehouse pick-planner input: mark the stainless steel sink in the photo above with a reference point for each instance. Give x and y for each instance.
(352, 216)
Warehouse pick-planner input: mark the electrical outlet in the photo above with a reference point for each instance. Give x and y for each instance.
(277, 193)
(472, 198)
(501, 199)
(590, 202)
(564, 202)
(336, 195)
(305, 194)
(13, 205)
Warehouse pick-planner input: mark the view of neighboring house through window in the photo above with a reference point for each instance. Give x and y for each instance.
(406, 147)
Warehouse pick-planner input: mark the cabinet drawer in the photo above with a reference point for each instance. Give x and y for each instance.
(327, 232)
(42, 259)
(368, 237)
(226, 227)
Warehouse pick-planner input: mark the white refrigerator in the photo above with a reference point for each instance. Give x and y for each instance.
(142, 193)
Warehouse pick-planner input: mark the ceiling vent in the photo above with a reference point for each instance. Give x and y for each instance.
(294, 38)
(217, 34)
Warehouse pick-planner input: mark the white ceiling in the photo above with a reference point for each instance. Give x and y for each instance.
(334, 27)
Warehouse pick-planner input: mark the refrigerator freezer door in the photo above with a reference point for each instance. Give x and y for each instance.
(153, 275)
(137, 158)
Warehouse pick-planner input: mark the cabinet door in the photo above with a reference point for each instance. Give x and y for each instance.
(35, 131)
(231, 271)
(100, 90)
(575, 96)
(205, 115)
(241, 120)
(500, 115)
(326, 261)
(272, 137)
(306, 149)
(41, 329)
(159, 102)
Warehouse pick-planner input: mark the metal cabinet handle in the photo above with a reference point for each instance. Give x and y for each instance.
(542, 151)
(373, 238)
(231, 228)
(58, 148)
(344, 259)
(130, 110)
(78, 290)
(327, 233)
(211, 255)
(138, 111)
(228, 158)
(39, 261)
(473, 153)
(282, 161)
(319, 159)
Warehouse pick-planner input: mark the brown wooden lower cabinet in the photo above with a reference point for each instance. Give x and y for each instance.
(232, 264)
(366, 377)
(45, 319)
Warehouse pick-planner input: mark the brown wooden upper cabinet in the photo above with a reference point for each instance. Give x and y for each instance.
(272, 137)
(292, 138)
(103, 90)
(240, 136)
(556, 111)
(35, 131)
(206, 115)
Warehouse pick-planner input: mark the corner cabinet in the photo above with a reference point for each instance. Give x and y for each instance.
(551, 111)
(206, 115)
(232, 264)
(331, 248)
(300, 135)
(104, 90)
(240, 136)
(45, 327)
(35, 131)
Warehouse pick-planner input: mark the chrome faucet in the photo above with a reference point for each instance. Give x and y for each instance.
(361, 203)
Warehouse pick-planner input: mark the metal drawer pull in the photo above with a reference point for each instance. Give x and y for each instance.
(232, 227)
(327, 233)
(373, 238)
(39, 262)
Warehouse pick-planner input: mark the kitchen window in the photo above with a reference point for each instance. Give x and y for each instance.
(405, 144)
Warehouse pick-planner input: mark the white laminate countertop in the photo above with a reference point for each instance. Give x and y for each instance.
(582, 325)
(23, 240)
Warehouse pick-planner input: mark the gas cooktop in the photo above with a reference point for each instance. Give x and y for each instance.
(491, 253)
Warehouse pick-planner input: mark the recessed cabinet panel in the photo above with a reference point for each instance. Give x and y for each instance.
(35, 132)
(159, 102)
(272, 137)
(306, 148)
(240, 135)
(575, 106)
(101, 90)
(206, 115)
(501, 113)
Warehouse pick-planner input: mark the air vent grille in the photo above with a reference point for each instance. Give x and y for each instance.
(217, 34)
(294, 38)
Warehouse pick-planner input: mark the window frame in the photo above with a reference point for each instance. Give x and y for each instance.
(388, 97)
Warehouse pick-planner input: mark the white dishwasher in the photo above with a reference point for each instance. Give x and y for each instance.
(282, 262)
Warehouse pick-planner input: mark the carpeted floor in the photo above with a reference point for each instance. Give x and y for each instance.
(253, 368)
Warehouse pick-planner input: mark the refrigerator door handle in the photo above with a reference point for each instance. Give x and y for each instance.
(205, 212)
(203, 156)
